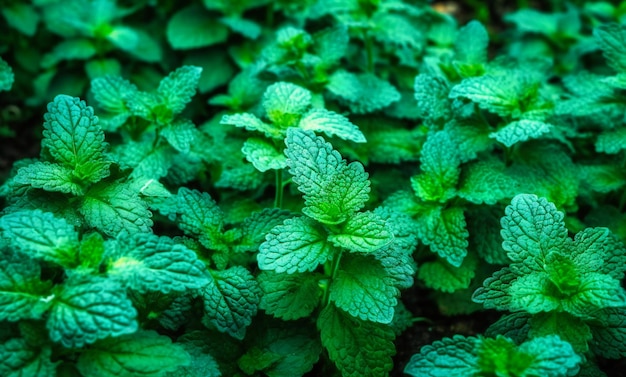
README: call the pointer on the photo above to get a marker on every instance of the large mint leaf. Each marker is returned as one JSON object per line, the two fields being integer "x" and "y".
{"x": 364, "y": 232}
{"x": 358, "y": 348}
{"x": 22, "y": 292}
{"x": 449, "y": 357}
{"x": 362, "y": 93}
{"x": 289, "y": 296}
{"x": 285, "y": 103}
{"x": 74, "y": 139}
{"x": 440, "y": 162}
{"x": 445, "y": 231}
{"x": 298, "y": 245}
{"x": 332, "y": 188}
{"x": 147, "y": 262}
{"x": 332, "y": 124}
{"x": 112, "y": 92}
{"x": 87, "y": 309}
{"x": 50, "y": 177}
{"x": 231, "y": 299}
{"x": 178, "y": 87}
{"x": 363, "y": 289}
{"x": 42, "y": 235}
{"x": 18, "y": 358}
{"x": 200, "y": 216}
{"x": 144, "y": 353}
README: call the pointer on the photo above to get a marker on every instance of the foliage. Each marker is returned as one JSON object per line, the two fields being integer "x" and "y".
{"x": 251, "y": 188}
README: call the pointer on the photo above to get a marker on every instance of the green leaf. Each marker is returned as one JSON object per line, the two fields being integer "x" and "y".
{"x": 22, "y": 17}
{"x": 146, "y": 263}
{"x": 114, "y": 209}
{"x": 440, "y": 168}
{"x": 364, "y": 232}
{"x": 22, "y": 291}
{"x": 201, "y": 363}
{"x": 74, "y": 139}
{"x": 251, "y": 123}
{"x": 298, "y": 245}
{"x": 499, "y": 94}
{"x": 71, "y": 49}
{"x": 431, "y": 93}
{"x": 123, "y": 37}
{"x": 445, "y": 231}
{"x": 521, "y": 130}
{"x": 181, "y": 134}
{"x": 263, "y": 155}
{"x": 332, "y": 189}
{"x": 448, "y": 357}
{"x": 332, "y": 124}
{"x": 494, "y": 294}
{"x": 602, "y": 178}
{"x": 609, "y": 333}
{"x": 564, "y": 325}
{"x": 285, "y": 103}
{"x": 144, "y": 353}
{"x": 6, "y": 76}
{"x": 486, "y": 181}
{"x": 91, "y": 251}
{"x": 398, "y": 264}
{"x": 358, "y": 348}
{"x": 231, "y": 300}
{"x": 178, "y": 87}
{"x": 42, "y": 235}
{"x": 247, "y": 28}
{"x": 363, "y": 289}
{"x": 87, "y": 309}
{"x": 50, "y": 177}
{"x": 331, "y": 44}
{"x": 471, "y": 43}
{"x": 611, "y": 142}
{"x": 532, "y": 228}
{"x": 612, "y": 41}
{"x": 200, "y": 216}
{"x": 256, "y": 226}
{"x": 362, "y": 93}
{"x": 112, "y": 92}
{"x": 598, "y": 250}
{"x": 194, "y": 27}
{"x": 18, "y": 358}
{"x": 441, "y": 275}
{"x": 289, "y": 296}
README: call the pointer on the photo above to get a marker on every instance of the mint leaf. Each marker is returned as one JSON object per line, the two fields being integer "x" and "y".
{"x": 431, "y": 93}
{"x": 230, "y": 300}
{"x": 19, "y": 358}
{"x": 6, "y": 76}
{"x": 144, "y": 353}
{"x": 363, "y": 289}
{"x": 251, "y": 123}
{"x": 612, "y": 41}
{"x": 611, "y": 142}
{"x": 87, "y": 309}
{"x": 449, "y": 357}
{"x": 50, "y": 177}
{"x": 358, "y": 348}
{"x": 74, "y": 139}
{"x": 285, "y": 103}
{"x": 495, "y": 93}
{"x": 445, "y": 232}
{"x": 609, "y": 333}
{"x": 22, "y": 292}
{"x": 364, "y": 232}
{"x": 289, "y": 296}
{"x": 180, "y": 134}
{"x": 521, "y": 130}
{"x": 146, "y": 263}
{"x": 178, "y": 87}
{"x": 332, "y": 124}
{"x": 42, "y": 235}
{"x": 22, "y": 17}
{"x": 114, "y": 209}
{"x": 194, "y": 27}
{"x": 263, "y": 155}
{"x": 332, "y": 188}
{"x": 440, "y": 168}
{"x": 200, "y": 216}
{"x": 255, "y": 227}
{"x": 355, "y": 90}
{"x": 441, "y": 275}
{"x": 298, "y": 245}
{"x": 471, "y": 43}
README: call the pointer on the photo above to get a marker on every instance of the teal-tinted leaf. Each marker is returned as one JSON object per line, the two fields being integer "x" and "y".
{"x": 179, "y": 86}
{"x": 74, "y": 139}
{"x": 598, "y": 250}
{"x": 532, "y": 228}
{"x": 91, "y": 251}
{"x": 6, "y": 76}
{"x": 180, "y": 134}
{"x": 471, "y": 43}
{"x": 71, "y": 49}
{"x": 146, "y": 263}
{"x": 194, "y": 27}
{"x": 445, "y": 231}
{"x": 114, "y": 209}
{"x": 123, "y": 37}
{"x": 440, "y": 168}
{"x": 358, "y": 348}
{"x": 231, "y": 300}
{"x": 18, "y": 358}
{"x": 602, "y": 178}
{"x": 263, "y": 155}
{"x": 449, "y": 357}
{"x": 362, "y": 93}
{"x": 285, "y": 103}
{"x": 298, "y": 245}
{"x": 200, "y": 216}
{"x": 441, "y": 275}
{"x": 42, "y": 235}
{"x": 521, "y": 130}
{"x": 332, "y": 188}
{"x": 363, "y": 289}
{"x": 251, "y": 123}
{"x": 102, "y": 67}
{"x": 22, "y": 17}
{"x": 568, "y": 327}
{"x": 612, "y": 41}
{"x": 144, "y": 353}
{"x": 332, "y": 124}
{"x": 201, "y": 364}
{"x": 111, "y": 92}
{"x": 364, "y": 232}
{"x": 22, "y": 292}
{"x": 87, "y": 309}
{"x": 496, "y": 93}
{"x": 494, "y": 294}
{"x": 256, "y": 226}
{"x": 147, "y": 48}
{"x": 609, "y": 333}
{"x": 247, "y": 28}
{"x": 331, "y": 44}
{"x": 50, "y": 177}
{"x": 391, "y": 28}
{"x": 398, "y": 263}
{"x": 611, "y": 142}
{"x": 289, "y": 296}
{"x": 486, "y": 181}
{"x": 431, "y": 93}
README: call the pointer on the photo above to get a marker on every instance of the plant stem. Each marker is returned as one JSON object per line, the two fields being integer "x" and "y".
{"x": 334, "y": 267}
{"x": 278, "y": 197}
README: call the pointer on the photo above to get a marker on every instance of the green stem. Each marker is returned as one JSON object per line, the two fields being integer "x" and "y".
{"x": 334, "y": 268}
{"x": 278, "y": 197}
